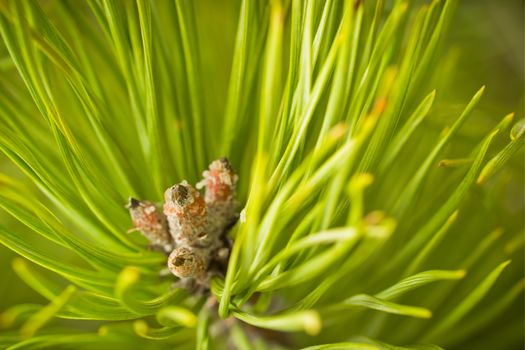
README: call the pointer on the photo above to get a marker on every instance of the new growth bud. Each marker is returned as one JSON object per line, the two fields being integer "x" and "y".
{"x": 186, "y": 212}
{"x": 187, "y": 262}
{"x": 150, "y": 222}
{"x": 220, "y": 182}
{"x": 196, "y": 225}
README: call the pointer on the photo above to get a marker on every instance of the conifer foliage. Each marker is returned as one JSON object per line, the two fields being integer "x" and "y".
{"x": 365, "y": 211}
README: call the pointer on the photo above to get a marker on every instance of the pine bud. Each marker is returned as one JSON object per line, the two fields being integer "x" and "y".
{"x": 220, "y": 182}
{"x": 187, "y": 215}
{"x": 150, "y": 222}
{"x": 189, "y": 262}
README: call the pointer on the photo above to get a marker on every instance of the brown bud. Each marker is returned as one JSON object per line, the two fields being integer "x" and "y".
{"x": 188, "y": 262}
{"x": 150, "y": 222}
{"x": 187, "y": 216}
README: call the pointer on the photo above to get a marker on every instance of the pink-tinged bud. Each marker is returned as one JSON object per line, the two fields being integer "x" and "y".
{"x": 150, "y": 222}
{"x": 220, "y": 181}
{"x": 187, "y": 215}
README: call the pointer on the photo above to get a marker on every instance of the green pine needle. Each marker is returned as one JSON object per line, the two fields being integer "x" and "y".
{"x": 373, "y": 210}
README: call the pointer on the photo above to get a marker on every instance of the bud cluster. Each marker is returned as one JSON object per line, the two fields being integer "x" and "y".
{"x": 192, "y": 228}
